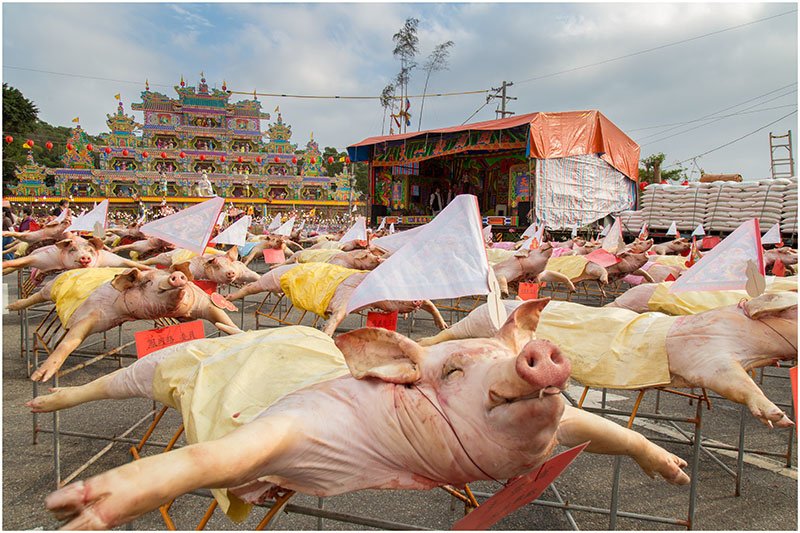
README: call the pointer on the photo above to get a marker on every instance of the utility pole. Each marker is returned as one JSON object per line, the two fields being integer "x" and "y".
{"x": 501, "y": 113}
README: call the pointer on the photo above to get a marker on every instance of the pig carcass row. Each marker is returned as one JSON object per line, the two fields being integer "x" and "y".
{"x": 221, "y": 268}
{"x": 356, "y": 259}
{"x": 370, "y": 410}
{"x": 787, "y": 256}
{"x": 325, "y": 289}
{"x": 28, "y": 241}
{"x": 656, "y": 297}
{"x": 578, "y": 269}
{"x": 67, "y": 254}
{"x": 677, "y": 246}
{"x": 94, "y": 300}
{"x": 527, "y": 264}
{"x": 714, "y": 349}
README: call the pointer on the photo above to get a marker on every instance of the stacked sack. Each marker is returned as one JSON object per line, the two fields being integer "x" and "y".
{"x": 719, "y": 206}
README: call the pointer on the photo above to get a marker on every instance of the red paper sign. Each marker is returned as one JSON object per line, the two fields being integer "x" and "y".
{"x": 603, "y": 258}
{"x": 528, "y": 291}
{"x": 519, "y": 492}
{"x": 671, "y": 277}
{"x": 496, "y": 221}
{"x": 209, "y": 287}
{"x": 156, "y": 339}
{"x": 376, "y": 319}
{"x": 793, "y": 377}
{"x": 274, "y": 255}
{"x": 778, "y": 268}
{"x": 709, "y": 242}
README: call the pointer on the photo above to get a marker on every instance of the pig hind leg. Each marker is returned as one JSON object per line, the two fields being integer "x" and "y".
{"x": 74, "y": 337}
{"x": 429, "y": 306}
{"x": 577, "y": 427}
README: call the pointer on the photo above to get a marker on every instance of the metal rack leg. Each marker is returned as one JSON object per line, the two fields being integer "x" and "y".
{"x": 698, "y": 428}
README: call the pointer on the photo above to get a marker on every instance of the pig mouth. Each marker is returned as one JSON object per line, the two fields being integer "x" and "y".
{"x": 496, "y": 399}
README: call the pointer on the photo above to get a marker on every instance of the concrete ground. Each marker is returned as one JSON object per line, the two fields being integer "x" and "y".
{"x": 768, "y": 499}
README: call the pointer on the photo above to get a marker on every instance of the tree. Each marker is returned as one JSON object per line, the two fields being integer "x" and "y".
{"x": 653, "y": 162}
{"x": 387, "y": 102}
{"x": 405, "y": 49}
{"x": 332, "y": 169}
{"x": 19, "y": 120}
{"x": 436, "y": 62}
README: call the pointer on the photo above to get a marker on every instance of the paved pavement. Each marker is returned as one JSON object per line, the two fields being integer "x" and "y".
{"x": 768, "y": 500}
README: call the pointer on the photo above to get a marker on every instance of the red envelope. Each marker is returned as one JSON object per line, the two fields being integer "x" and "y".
{"x": 376, "y": 319}
{"x": 528, "y": 291}
{"x": 274, "y": 255}
{"x": 156, "y": 339}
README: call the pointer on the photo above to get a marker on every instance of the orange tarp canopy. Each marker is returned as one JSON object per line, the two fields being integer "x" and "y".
{"x": 550, "y": 135}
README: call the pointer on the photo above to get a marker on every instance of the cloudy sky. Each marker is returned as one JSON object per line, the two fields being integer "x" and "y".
{"x": 682, "y": 79}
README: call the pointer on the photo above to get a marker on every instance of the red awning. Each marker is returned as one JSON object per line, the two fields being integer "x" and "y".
{"x": 551, "y": 135}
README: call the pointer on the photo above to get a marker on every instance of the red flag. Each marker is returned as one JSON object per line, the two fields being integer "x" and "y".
{"x": 778, "y": 268}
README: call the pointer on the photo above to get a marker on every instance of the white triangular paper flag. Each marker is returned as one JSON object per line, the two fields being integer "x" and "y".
{"x": 189, "y": 228}
{"x": 673, "y": 229}
{"x": 302, "y": 225}
{"x": 382, "y": 224}
{"x": 698, "y": 231}
{"x": 285, "y": 229}
{"x": 86, "y": 221}
{"x": 605, "y": 231}
{"x": 613, "y": 242}
{"x": 358, "y": 232}
{"x": 61, "y": 216}
{"x": 445, "y": 259}
{"x": 773, "y": 236}
{"x": 487, "y": 233}
{"x": 396, "y": 240}
{"x": 221, "y": 218}
{"x": 235, "y": 234}
{"x": 574, "y": 232}
{"x": 724, "y": 267}
{"x": 275, "y": 224}
{"x": 530, "y": 230}
{"x": 391, "y": 228}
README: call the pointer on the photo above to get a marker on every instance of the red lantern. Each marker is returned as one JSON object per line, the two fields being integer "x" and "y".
{"x": 9, "y": 139}
{"x": 313, "y": 160}
{"x": 663, "y": 182}
{"x": 330, "y": 160}
{"x": 182, "y": 155}
{"x": 685, "y": 182}
{"x": 163, "y": 155}
{"x": 239, "y": 159}
{"x": 258, "y": 159}
{"x": 347, "y": 160}
{"x": 642, "y": 185}
{"x": 277, "y": 159}
{"x": 30, "y": 142}
{"x": 107, "y": 150}
{"x": 69, "y": 147}
{"x": 125, "y": 153}
{"x": 48, "y": 145}
{"x": 89, "y": 147}
{"x": 294, "y": 160}
{"x": 202, "y": 157}
{"x": 222, "y": 158}
{"x": 145, "y": 155}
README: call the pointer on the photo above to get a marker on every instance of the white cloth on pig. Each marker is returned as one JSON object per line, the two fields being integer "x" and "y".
{"x": 223, "y": 383}
{"x": 694, "y": 302}
{"x": 607, "y": 347}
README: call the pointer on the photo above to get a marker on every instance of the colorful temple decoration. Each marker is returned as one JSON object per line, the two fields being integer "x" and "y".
{"x": 180, "y": 139}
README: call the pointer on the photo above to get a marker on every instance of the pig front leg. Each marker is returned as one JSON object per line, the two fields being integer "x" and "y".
{"x": 125, "y": 493}
{"x": 23, "y": 303}
{"x": 578, "y": 426}
{"x": 645, "y": 274}
{"x": 503, "y": 283}
{"x": 74, "y": 337}
{"x": 335, "y": 319}
{"x": 12, "y": 265}
{"x": 555, "y": 277}
{"x": 215, "y": 315}
{"x": 248, "y": 290}
{"x": 428, "y": 306}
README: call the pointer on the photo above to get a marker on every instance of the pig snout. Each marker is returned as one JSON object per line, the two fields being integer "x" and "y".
{"x": 85, "y": 260}
{"x": 543, "y": 365}
{"x": 177, "y": 279}
{"x": 231, "y": 275}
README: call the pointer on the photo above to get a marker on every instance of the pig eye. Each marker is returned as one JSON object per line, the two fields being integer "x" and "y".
{"x": 450, "y": 370}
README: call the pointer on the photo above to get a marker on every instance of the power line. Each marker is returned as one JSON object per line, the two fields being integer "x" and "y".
{"x": 661, "y": 47}
{"x": 721, "y": 116}
{"x": 82, "y": 76}
{"x": 488, "y": 99}
{"x": 712, "y": 121}
{"x": 731, "y": 142}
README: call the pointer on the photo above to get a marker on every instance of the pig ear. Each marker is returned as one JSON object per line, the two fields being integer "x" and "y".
{"x": 183, "y": 267}
{"x": 96, "y": 243}
{"x": 233, "y": 253}
{"x": 63, "y": 244}
{"x": 770, "y": 304}
{"x": 382, "y": 354}
{"x": 520, "y": 327}
{"x": 124, "y": 281}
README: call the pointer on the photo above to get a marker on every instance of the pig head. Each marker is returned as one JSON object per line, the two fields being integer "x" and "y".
{"x": 357, "y": 259}
{"x": 788, "y": 257}
{"x": 222, "y": 269}
{"x": 675, "y": 247}
{"x": 66, "y": 254}
{"x": 525, "y": 264}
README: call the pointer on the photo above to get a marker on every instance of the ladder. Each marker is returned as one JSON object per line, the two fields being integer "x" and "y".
{"x": 781, "y": 167}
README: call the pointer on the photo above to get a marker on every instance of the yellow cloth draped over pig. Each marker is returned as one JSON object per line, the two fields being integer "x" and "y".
{"x": 316, "y": 255}
{"x": 609, "y": 347}
{"x": 310, "y": 286}
{"x": 677, "y": 261}
{"x": 329, "y": 245}
{"x": 182, "y": 255}
{"x": 693, "y": 302}
{"x": 223, "y": 383}
{"x": 571, "y": 266}
{"x": 498, "y": 255}
{"x": 71, "y": 288}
